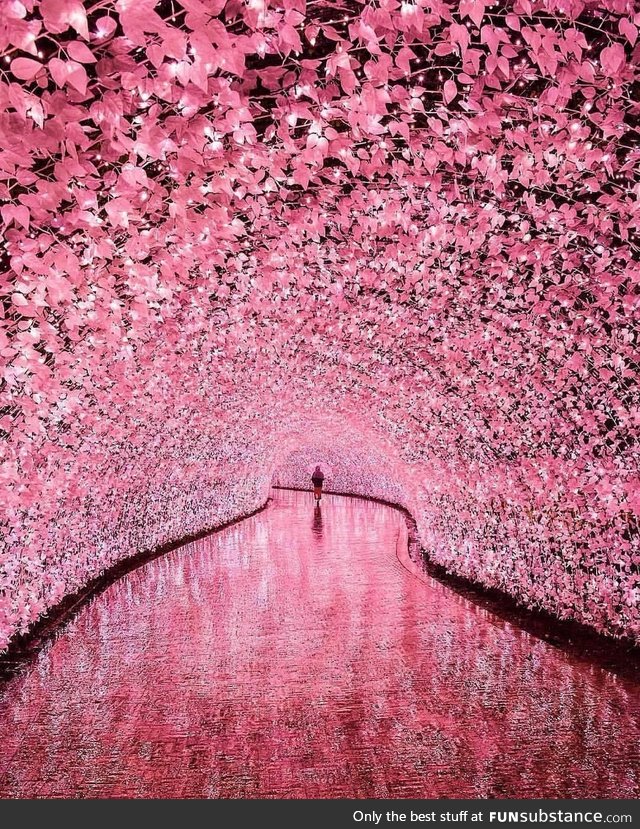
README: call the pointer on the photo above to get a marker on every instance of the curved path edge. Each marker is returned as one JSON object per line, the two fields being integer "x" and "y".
{"x": 615, "y": 654}
{"x": 619, "y": 656}
{"x": 23, "y": 647}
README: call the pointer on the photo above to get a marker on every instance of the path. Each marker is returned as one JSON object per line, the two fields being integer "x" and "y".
{"x": 292, "y": 655}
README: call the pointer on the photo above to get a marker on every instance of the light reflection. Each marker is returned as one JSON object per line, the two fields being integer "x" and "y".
{"x": 295, "y": 655}
{"x": 316, "y": 527}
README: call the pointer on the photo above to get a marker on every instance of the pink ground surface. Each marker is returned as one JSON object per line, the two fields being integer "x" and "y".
{"x": 295, "y": 655}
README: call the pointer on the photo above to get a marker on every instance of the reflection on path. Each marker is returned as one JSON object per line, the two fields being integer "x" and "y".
{"x": 292, "y": 655}
{"x": 316, "y": 527}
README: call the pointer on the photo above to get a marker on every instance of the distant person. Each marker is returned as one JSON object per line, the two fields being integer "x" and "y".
{"x": 317, "y": 479}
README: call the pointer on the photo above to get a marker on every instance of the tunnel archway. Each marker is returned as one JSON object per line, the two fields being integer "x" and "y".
{"x": 487, "y": 520}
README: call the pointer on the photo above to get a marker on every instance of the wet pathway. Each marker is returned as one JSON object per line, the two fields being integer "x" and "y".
{"x": 293, "y": 655}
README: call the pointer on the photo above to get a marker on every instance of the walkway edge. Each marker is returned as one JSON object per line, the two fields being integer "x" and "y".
{"x": 615, "y": 654}
{"x": 23, "y": 647}
{"x": 619, "y": 656}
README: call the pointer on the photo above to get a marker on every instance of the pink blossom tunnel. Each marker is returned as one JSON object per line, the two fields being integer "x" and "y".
{"x": 405, "y": 231}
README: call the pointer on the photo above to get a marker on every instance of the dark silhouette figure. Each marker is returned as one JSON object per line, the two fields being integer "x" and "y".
{"x": 317, "y": 479}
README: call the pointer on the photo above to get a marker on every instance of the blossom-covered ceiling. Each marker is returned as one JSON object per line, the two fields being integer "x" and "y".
{"x": 228, "y": 225}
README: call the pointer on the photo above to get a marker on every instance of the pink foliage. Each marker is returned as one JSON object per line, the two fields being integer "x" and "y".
{"x": 405, "y": 231}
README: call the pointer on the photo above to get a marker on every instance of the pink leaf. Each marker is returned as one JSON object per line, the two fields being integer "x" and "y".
{"x": 58, "y": 70}
{"x": 450, "y": 91}
{"x": 105, "y": 26}
{"x": 118, "y": 211}
{"x": 473, "y": 9}
{"x": 513, "y": 22}
{"x": 290, "y": 39}
{"x": 80, "y": 52}
{"x": 587, "y": 72}
{"x": 459, "y": 35}
{"x": 25, "y": 68}
{"x": 19, "y": 300}
{"x": 403, "y": 57}
{"x": 16, "y": 212}
{"x": 77, "y": 76}
{"x": 70, "y": 72}
{"x": 59, "y": 15}
{"x": 626, "y": 28}
{"x": 443, "y": 49}
{"x": 612, "y": 59}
